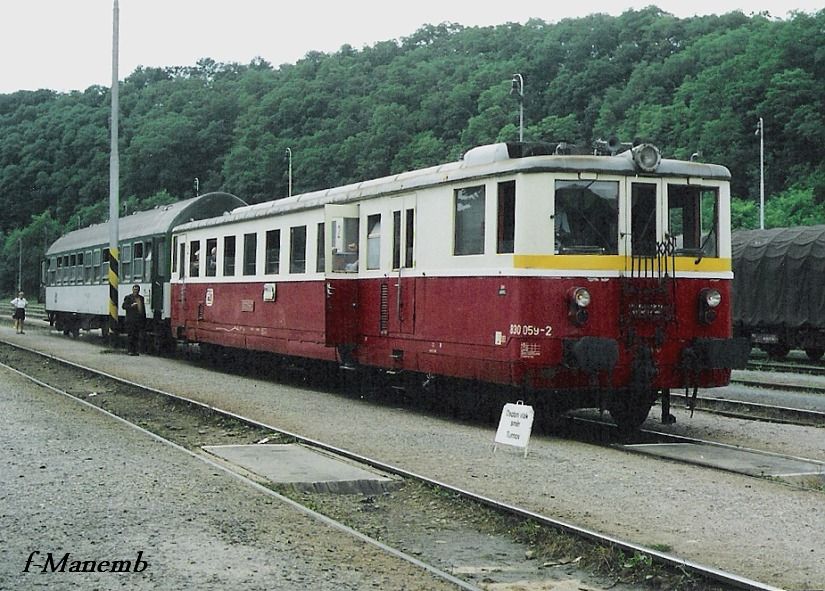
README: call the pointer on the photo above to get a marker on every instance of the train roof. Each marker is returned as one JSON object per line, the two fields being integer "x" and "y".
{"x": 159, "y": 220}
{"x": 480, "y": 162}
{"x": 779, "y": 276}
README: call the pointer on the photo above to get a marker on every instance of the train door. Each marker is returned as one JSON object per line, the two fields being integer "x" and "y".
{"x": 400, "y": 299}
{"x": 342, "y": 260}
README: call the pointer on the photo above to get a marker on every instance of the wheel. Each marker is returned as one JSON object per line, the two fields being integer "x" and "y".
{"x": 814, "y": 354}
{"x": 629, "y": 409}
{"x": 777, "y": 352}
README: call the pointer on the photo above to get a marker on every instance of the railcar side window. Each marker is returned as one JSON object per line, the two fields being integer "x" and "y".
{"x": 693, "y": 219}
{"x": 87, "y": 261}
{"x": 96, "y": 266}
{"x": 409, "y": 244}
{"x": 586, "y": 219}
{"x": 374, "y": 241}
{"x": 104, "y": 266}
{"x": 228, "y": 256}
{"x": 345, "y": 245}
{"x": 174, "y": 250}
{"x": 272, "y": 262}
{"x": 396, "y": 239}
{"x": 194, "y": 258}
{"x": 126, "y": 262}
{"x": 506, "y": 231}
{"x": 250, "y": 248}
{"x": 469, "y": 220}
{"x": 298, "y": 249}
{"x": 137, "y": 260}
{"x": 211, "y": 257}
{"x": 320, "y": 259}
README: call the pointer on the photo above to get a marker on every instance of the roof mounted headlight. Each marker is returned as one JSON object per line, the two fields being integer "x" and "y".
{"x": 647, "y": 157}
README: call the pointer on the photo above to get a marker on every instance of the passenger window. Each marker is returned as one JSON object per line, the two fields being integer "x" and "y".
{"x": 693, "y": 220}
{"x": 72, "y": 267}
{"x": 374, "y": 241}
{"x": 211, "y": 257}
{"x": 104, "y": 266}
{"x": 126, "y": 262}
{"x": 298, "y": 249}
{"x": 228, "y": 256}
{"x": 174, "y": 258}
{"x": 273, "y": 252}
{"x": 250, "y": 254}
{"x": 506, "y": 231}
{"x": 87, "y": 272}
{"x": 469, "y": 220}
{"x": 586, "y": 218}
{"x": 182, "y": 257}
{"x": 409, "y": 243}
{"x": 396, "y": 239}
{"x": 194, "y": 258}
{"x": 96, "y": 265}
{"x": 137, "y": 262}
{"x": 345, "y": 245}
{"x": 320, "y": 259}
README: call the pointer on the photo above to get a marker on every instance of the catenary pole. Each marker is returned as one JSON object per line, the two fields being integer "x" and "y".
{"x": 114, "y": 177}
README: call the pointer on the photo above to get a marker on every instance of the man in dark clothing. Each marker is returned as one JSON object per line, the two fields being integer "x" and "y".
{"x": 135, "y": 318}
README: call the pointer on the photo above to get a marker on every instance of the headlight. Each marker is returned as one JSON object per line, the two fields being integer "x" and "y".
{"x": 712, "y": 298}
{"x": 581, "y": 297}
{"x": 647, "y": 157}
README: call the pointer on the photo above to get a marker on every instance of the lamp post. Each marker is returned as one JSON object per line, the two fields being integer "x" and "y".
{"x": 760, "y": 131}
{"x": 20, "y": 264}
{"x": 518, "y": 87}
{"x": 289, "y": 155}
{"x": 114, "y": 176}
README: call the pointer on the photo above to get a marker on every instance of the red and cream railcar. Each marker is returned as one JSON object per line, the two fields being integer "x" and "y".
{"x": 600, "y": 280}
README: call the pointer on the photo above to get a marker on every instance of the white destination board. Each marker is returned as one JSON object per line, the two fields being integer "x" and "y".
{"x": 515, "y": 425}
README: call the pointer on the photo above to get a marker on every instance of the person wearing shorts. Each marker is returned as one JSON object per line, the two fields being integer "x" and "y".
{"x": 19, "y": 304}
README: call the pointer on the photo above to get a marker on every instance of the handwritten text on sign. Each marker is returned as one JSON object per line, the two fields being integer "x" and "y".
{"x": 515, "y": 425}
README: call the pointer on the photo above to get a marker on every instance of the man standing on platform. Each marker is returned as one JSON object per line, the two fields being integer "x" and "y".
{"x": 135, "y": 318}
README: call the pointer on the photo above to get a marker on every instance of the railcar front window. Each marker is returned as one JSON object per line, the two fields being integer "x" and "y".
{"x": 586, "y": 220}
{"x": 643, "y": 219}
{"x": 693, "y": 214}
{"x": 469, "y": 220}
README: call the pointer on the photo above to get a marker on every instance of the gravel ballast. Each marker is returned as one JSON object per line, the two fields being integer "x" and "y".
{"x": 759, "y": 529}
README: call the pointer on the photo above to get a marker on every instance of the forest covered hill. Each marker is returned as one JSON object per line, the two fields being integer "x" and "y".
{"x": 688, "y": 85}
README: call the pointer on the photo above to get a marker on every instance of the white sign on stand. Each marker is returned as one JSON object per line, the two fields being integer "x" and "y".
{"x": 515, "y": 425}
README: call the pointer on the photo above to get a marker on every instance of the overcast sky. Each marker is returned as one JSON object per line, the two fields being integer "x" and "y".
{"x": 66, "y": 45}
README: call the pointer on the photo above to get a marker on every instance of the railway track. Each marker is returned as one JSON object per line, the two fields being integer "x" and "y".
{"x": 664, "y": 564}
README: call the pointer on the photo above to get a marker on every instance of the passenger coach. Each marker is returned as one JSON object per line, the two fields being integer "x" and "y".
{"x": 585, "y": 280}
{"x": 76, "y": 268}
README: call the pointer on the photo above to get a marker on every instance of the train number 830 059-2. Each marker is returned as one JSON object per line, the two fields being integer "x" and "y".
{"x": 530, "y": 330}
